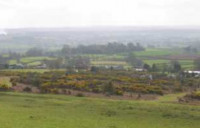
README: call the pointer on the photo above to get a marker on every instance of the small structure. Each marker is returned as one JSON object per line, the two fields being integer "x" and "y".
{"x": 112, "y": 67}
{"x": 43, "y": 66}
{"x": 137, "y": 69}
{"x": 192, "y": 73}
{"x": 16, "y": 66}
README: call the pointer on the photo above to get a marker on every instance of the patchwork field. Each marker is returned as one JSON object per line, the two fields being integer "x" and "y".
{"x": 20, "y": 110}
{"x": 149, "y": 56}
{"x": 32, "y": 61}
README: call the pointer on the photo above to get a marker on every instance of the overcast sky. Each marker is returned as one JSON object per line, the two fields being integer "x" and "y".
{"x": 64, "y": 13}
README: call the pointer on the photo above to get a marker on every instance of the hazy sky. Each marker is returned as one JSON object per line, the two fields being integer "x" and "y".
{"x": 60, "y": 13}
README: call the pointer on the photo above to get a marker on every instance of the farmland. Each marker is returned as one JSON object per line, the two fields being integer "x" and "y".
{"x": 157, "y": 52}
{"x": 32, "y": 61}
{"x": 150, "y": 56}
{"x": 122, "y": 84}
{"x": 22, "y": 110}
{"x": 98, "y": 95}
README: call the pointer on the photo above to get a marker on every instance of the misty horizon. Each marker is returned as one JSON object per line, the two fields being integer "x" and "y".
{"x": 89, "y": 13}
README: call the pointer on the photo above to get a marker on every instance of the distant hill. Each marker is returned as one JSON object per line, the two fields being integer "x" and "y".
{"x": 56, "y": 37}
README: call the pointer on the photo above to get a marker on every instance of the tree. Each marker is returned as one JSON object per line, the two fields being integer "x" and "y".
{"x": 78, "y": 62}
{"x": 34, "y": 52}
{"x": 165, "y": 68}
{"x": 54, "y": 64}
{"x": 132, "y": 60}
{"x": 154, "y": 68}
{"x": 94, "y": 69}
{"x": 190, "y": 49}
{"x": 109, "y": 88}
{"x": 176, "y": 66}
{"x": 147, "y": 67}
{"x": 109, "y": 48}
{"x": 197, "y": 63}
{"x": 66, "y": 50}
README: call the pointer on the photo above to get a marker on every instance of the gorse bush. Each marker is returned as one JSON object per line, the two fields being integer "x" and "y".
{"x": 107, "y": 82}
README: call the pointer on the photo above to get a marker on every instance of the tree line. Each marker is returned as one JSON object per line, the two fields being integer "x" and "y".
{"x": 110, "y": 48}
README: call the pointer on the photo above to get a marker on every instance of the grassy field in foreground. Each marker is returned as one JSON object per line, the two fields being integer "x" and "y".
{"x": 20, "y": 110}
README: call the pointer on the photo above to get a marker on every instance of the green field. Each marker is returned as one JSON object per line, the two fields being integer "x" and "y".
{"x": 149, "y": 56}
{"x": 32, "y": 61}
{"x": 99, "y": 63}
{"x": 105, "y": 57}
{"x": 186, "y": 64}
{"x": 32, "y": 70}
{"x": 156, "y": 52}
{"x": 20, "y": 110}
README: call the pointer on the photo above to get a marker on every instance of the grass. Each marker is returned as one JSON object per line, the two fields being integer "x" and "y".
{"x": 32, "y": 70}
{"x": 186, "y": 64}
{"x": 33, "y": 59}
{"x": 123, "y": 63}
{"x": 21, "y": 110}
{"x": 34, "y": 63}
{"x": 151, "y": 62}
{"x": 156, "y": 52}
{"x": 12, "y": 62}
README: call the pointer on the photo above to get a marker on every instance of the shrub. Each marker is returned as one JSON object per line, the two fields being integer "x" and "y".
{"x": 27, "y": 89}
{"x": 119, "y": 92}
{"x": 54, "y": 91}
{"x": 80, "y": 95}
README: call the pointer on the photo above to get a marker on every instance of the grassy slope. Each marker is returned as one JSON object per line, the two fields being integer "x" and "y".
{"x": 56, "y": 111}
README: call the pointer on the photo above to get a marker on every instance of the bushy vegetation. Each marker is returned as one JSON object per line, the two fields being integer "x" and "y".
{"x": 106, "y": 82}
{"x": 193, "y": 96}
{"x": 5, "y": 83}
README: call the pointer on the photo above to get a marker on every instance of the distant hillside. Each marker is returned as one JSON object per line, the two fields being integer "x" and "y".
{"x": 52, "y": 38}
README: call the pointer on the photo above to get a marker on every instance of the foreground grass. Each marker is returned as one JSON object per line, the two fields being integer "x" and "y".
{"x": 20, "y": 110}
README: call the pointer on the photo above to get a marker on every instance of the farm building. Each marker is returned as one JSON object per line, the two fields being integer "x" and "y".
{"x": 192, "y": 73}
{"x": 43, "y": 66}
{"x": 140, "y": 69}
{"x": 16, "y": 66}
